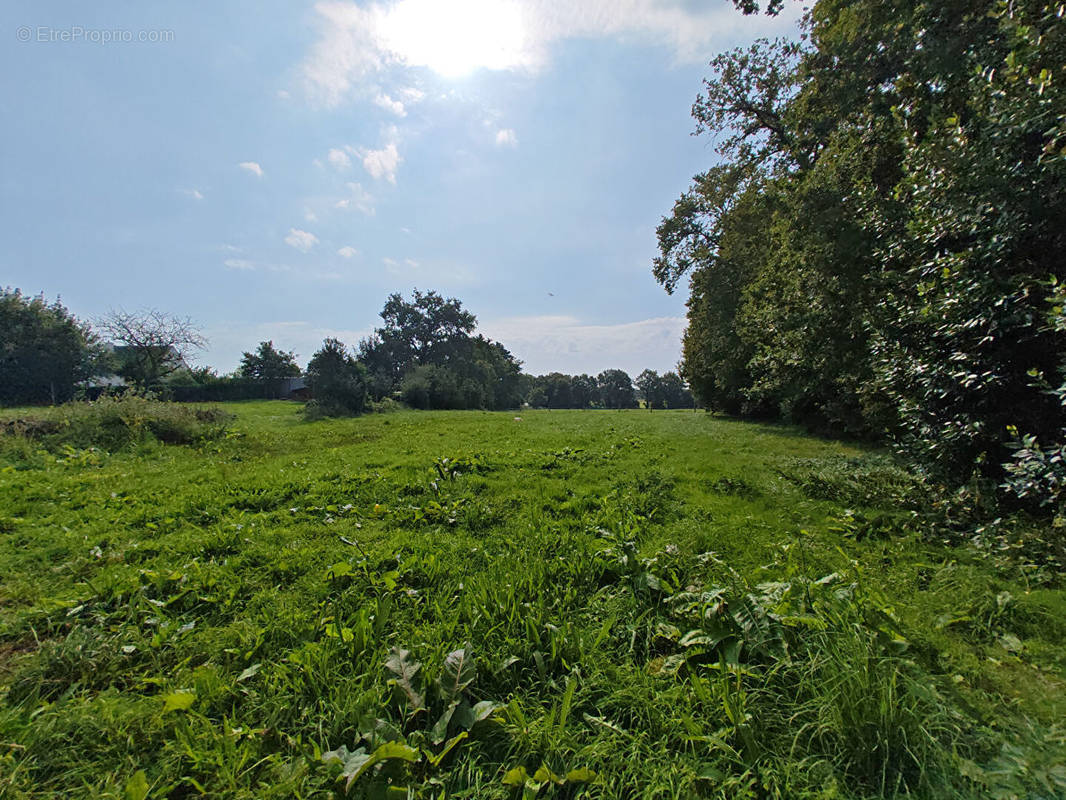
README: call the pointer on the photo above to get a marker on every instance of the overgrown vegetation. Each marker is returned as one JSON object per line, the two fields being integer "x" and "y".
{"x": 462, "y": 604}
{"x": 111, "y": 424}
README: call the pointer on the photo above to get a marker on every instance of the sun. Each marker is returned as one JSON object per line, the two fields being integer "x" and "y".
{"x": 456, "y": 37}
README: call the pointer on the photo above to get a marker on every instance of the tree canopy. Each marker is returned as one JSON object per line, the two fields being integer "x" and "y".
{"x": 338, "y": 382}
{"x": 267, "y": 362}
{"x": 425, "y": 350}
{"x": 877, "y": 251}
{"x": 45, "y": 352}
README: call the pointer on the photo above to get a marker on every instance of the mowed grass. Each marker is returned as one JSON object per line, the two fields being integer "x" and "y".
{"x": 647, "y": 604}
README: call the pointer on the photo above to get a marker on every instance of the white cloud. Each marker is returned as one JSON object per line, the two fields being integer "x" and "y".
{"x": 310, "y": 215}
{"x": 347, "y": 252}
{"x": 252, "y": 167}
{"x": 566, "y": 344}
{"x": 195, "y": 194}
{"x": 438, "y": 272}
{"x": 239, "y": 263}
{"x": 394, "y": 106}
{"x": 301, "y": 240}
{"x": 346, "y": 52}
{"x": 359, "y": 43}
{"x": 339, "y": 159}
{"x": 283, "y": 94}
{"x": 358, "y": 199}
{"x": 382, "y": 163}
{"x": 506, "y": 137}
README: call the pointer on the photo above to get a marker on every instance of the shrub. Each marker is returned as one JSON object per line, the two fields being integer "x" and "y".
{"x": 113, "y": 423}
{"x": 338, "y": 382}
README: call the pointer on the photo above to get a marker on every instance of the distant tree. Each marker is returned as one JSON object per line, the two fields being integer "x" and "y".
{"x": 425, "y": 330}
{"x": 616, "y": 389}
{"x": 268, "y": 363}
{"x": 557, "y": 390}
{"x": 651, "y": 389}
{"x": 196, "y": 376}
{"x": 44, "y": 350}
{"x": 537, "y": 397}
{"x": 425, "y": 350}
{"x": 675, "y": 393}
{"x": 337, "y": 381}
{"x": 150, "y": 344}
{"x": 584, "y": 391}
{"x": 499, "y": 372}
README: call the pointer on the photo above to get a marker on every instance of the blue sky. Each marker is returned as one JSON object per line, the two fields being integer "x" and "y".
{"x": 275, "y": 169}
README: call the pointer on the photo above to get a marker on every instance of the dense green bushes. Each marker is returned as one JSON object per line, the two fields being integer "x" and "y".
{"x": 337, "y": 381}
{"x": 44, "y": 351}
{"x": 879, "y": 250}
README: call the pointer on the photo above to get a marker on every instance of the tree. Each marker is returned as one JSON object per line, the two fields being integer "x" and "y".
{"x": 651, "y": 389}
{"x": 337, "y": 381}
{"x": 268, "y": 363}
{"x": 616, "y": 389}
{"x": 877, "y": 248}
{"x": 425, "y": 350}
{"x": 429, "y": 329}
{"x": 150, "y": 344}
{"x": 584, "y": 391}
{"x": 557, "y": 390}
{"x": 44, "y": 350}
{"x": 675, "y": 393}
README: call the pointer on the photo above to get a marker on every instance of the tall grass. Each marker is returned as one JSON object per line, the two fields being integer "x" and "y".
{"x": 113, "y": 423}
{"x": 644, "y": 607}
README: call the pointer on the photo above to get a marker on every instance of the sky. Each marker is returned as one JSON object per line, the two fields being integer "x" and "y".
{"x": 274, "y": 170}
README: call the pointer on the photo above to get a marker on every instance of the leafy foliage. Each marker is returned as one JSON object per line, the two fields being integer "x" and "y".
{"x": 338, "y": 382}
{"x": 425, "y": 352}
{"x": 44, "y": 351}
{"x": 877, "y": 251}
{"x": 267, "y": 362}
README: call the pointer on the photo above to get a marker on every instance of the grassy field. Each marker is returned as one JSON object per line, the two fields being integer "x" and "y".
{"x": 457, "y": 604}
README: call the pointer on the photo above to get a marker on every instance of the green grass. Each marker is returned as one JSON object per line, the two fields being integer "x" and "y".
{"x": 648, "y": 605}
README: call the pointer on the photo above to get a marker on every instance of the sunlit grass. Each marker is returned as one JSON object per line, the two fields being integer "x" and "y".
{"x": 219, "y": 615}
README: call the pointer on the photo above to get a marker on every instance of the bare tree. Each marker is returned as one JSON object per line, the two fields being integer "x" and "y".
{"x": 151, "y": 344}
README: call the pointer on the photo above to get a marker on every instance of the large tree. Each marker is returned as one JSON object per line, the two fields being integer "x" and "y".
{"x": 876, "y": 251}
{"x": 426, "y": 351}
{"x": 44, "y": 350}
{"x": 428, "y": 329}
{"x": 150, "y": 344}
{"x": 652, "y": 391}
{"x": 616, "y": 389}
{"x": 267, "y": 362}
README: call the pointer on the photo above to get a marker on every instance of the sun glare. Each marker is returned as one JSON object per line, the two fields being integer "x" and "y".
{"x": 456, "y": 37}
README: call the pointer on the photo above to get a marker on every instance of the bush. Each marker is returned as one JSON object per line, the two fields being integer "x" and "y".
{"x": 338, "y": 382}
{"x": 113, "y": 423}
{"x": 432, "y": 386}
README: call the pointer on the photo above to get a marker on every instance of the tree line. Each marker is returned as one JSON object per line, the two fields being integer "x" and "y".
{"x": 612, "y": 388}
{"x": 425, "y": 354}
{"x": 878, "y": 251}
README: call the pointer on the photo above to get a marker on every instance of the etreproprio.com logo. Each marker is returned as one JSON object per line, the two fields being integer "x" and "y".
{"x": 74, "y": 34}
